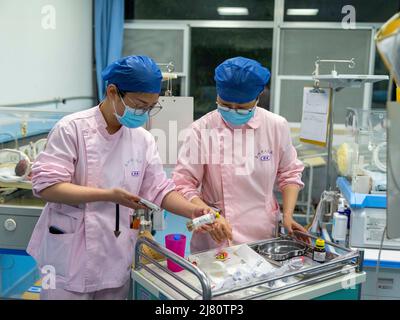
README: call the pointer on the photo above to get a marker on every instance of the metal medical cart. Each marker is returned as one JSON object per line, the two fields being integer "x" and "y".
{"x": 338, "y": 278}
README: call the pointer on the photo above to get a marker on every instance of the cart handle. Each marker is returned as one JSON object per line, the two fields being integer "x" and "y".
{"x": 200, "y": 275}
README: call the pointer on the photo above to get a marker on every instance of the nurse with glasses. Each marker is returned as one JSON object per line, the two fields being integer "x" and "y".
{"x": 93, "y": 160}
{"x": 245, "y": 199}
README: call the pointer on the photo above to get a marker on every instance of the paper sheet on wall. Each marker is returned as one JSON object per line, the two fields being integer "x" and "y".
{"x": 314, "y": 122}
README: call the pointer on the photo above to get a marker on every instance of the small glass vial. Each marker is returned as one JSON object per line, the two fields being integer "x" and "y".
{"x": 319, "y": 253}
{"x": 202, "y": 220}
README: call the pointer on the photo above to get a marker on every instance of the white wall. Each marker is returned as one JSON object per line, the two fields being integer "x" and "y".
{"x": 40, "y": 63}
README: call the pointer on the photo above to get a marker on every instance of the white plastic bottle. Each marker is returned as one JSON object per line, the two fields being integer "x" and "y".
{"x": 202, "y": 220}
{"x": 339, "y": 227}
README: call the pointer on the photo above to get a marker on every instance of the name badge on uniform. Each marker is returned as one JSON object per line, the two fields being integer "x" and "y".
{"x": 264, "y": 155}
{"x": 135, "y": 173}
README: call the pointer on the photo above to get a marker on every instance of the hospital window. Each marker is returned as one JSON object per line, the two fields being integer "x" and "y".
{"x": 211, "y": 46}
{"x": 297, "y": 60}
{"x": 258, "y": 10}
{"x": 162, "y": 45}
{"x": 331, "y": 11}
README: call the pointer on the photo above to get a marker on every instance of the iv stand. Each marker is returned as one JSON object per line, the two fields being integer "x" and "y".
{"x": 170, "y": 69}
{"x": 351, "y": 65}
{"x": 336, "y": 83}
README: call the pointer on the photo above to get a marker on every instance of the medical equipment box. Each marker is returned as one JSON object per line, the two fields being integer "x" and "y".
{"x": 367, "y": 219}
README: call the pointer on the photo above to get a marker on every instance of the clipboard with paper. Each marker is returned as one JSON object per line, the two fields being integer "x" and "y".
{"x": 315, "y": 118}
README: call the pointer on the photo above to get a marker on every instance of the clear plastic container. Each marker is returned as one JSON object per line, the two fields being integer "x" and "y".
{"x": 364, "y": 152}
{"x": 23, "y": 135}
{"x": 367, "y": 130}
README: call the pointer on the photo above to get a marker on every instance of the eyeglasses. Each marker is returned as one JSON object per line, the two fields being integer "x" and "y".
{"x": 151, "y": 110}
{"x": 239, "y": 111}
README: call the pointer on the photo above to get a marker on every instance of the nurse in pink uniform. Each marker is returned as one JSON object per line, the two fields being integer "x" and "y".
{"x": 93, "y": 160}
{"x": 233, "y": 157}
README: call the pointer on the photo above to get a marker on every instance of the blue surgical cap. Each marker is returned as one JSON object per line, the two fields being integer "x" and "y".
{"x": 240, "y": 80}
{"x": 134, "y": 74}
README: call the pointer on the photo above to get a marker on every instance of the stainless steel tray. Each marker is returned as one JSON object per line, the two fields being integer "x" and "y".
{"x": 281, "y": 250}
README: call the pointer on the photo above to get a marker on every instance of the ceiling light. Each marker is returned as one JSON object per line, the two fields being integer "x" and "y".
{"x": 302, "y": 12}
{"x": 233, "y": 11}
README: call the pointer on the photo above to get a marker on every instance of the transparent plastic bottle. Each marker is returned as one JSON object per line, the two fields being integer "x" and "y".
{"x": 339, "y": 224}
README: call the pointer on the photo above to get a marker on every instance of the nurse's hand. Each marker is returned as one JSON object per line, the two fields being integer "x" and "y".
{"x": 291, "y": 225}
{"x": 126, "y": 199}
{"x": 219, "y": 231}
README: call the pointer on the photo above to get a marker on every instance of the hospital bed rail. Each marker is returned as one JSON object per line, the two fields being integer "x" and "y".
{"x": 55, "y": 101}
{"x": 200, "y": 275}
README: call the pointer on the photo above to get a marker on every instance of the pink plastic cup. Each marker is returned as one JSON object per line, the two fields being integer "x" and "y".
{"x": 176, "y": 243}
